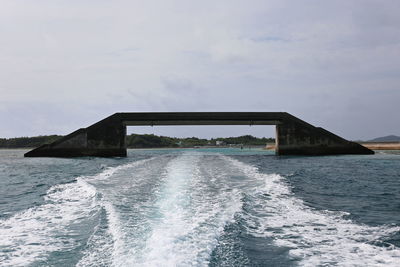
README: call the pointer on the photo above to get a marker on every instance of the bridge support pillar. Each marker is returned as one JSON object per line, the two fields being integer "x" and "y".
{"x": 299, "y": 138}
{"x": 103, "y": 139}
{"x": 107, "y": 138}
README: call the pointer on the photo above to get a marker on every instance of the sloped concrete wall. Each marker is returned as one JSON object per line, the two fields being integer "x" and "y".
{"x": 103, "y": 139}
{"x": 295, "y": 137}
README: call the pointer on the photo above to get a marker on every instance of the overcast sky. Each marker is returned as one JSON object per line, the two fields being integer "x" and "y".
{"x": 66, "y": 64}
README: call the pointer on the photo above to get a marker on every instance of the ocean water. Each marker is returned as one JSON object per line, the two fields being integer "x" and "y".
{"x": 200, "y": 207}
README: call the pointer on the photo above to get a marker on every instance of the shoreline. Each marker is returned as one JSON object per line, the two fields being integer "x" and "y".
{"x": 381, "y": 145}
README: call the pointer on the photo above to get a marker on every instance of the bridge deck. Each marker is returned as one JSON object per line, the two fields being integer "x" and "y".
{"x": 201, "y": 118}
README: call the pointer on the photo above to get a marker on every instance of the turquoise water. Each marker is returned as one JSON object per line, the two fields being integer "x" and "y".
{"x": 200, "y": 207}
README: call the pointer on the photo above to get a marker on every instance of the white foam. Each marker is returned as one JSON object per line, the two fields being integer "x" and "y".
{"x": 186, "y": 231}
{"x": 112, "y": 170}
{"x": 112, "y": 246}
{"x": 316, "y": 238}
{"x": 105, "y": 247}
{"x": 34, "y": 233}
{"x": 31, "y": 235}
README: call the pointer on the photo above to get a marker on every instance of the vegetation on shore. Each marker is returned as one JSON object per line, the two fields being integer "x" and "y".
{"x": 144, "y": 141}
{"x": 150, "y": 140}
{"x": 21, "y": 142}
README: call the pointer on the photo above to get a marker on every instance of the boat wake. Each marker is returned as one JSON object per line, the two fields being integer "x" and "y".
{"x": 174, "y": 209}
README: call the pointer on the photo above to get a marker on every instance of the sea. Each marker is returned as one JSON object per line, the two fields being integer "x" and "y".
{"x": 200, "y": 207}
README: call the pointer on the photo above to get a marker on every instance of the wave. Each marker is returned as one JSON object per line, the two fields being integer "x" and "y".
{"x": 116, "y": 240}
{"x": 31, "y": 235}
{"x": 173, "y": 210}
{"x": 105, "y": 245}
{"x": 315, "y": 237}
{"x": 178, "y": 226}
{"x": 189, "y": 220}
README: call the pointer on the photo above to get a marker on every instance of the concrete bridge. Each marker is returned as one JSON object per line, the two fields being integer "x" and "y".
{"x": 106, "y": 138}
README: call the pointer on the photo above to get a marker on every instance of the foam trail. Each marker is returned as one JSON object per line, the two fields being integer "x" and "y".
{"x": 106, "y": 246}
{"x": 33, "y": 234}
{"x": 316, "y": 238}
{"x": 116, "y": 240}
{"x": 186, "y": 231}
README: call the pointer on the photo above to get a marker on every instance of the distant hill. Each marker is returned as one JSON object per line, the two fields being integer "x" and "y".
{"x": 389, "y": 138}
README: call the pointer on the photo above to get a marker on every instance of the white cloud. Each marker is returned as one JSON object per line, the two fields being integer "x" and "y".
{"x": 311, "y": 58}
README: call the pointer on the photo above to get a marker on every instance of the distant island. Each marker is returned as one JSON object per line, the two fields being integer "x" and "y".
{"x": 388, "y": 138}
{"x": 146, "y": 141}
{"x": 389, "y": 142}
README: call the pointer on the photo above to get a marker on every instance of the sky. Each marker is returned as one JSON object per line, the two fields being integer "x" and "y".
{"x": 66, "y": 64}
